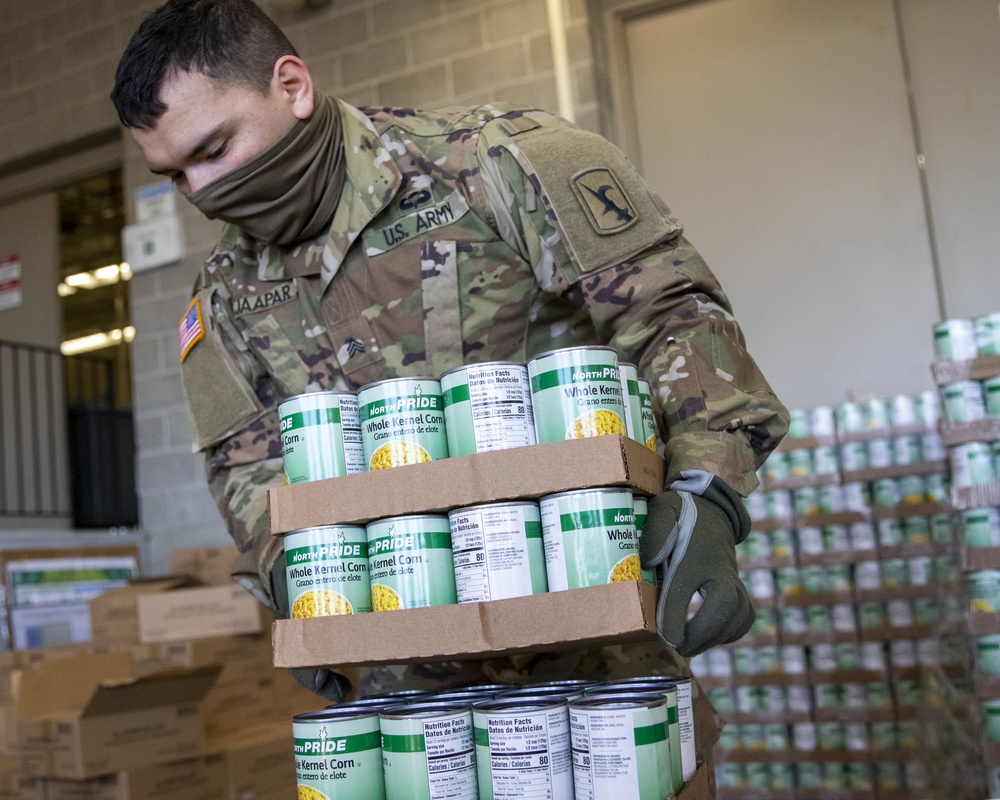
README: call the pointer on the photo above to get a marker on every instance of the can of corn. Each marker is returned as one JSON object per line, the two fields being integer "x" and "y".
{"x": 885, "y": 492}
{"x": 523, "y": 749}
{"x": 902, "y": 653}
{"x": 849, "y": 418}
{"x": 991, "y": 395}
{"x": 987, "y": 328}
{"x": 745, "y": 661}
{"x": 814, "y": 577}
{"x": 825, "y": 460}
{"x": 963, "y": 401}
{"x": 828, "y": 695}
{"x": 589, "y": 538}
{"x": 320, "y": 436}
{"x": 487, "y": 407}
{"x": 971, "y": 465}
{"x": 793, "y": 620}
{"x": 758, "y": 775}
{"x": 649, "y": 429}
{"x": 984, "y": 590}
{"x": 777, "y": 468}
{"x": 859, "y": 777}
{"x": 853, "y": 456}
{"x": 818, "y": 619}
{"x": 920, "y": 570}
{"x": 410, "y": 562}
{"x": 797, "y": 699}
{"x": 988, "y": 654}
{"x": 768, "y": 660}
{"x": 879, "y": 453}
{"x": 916, "y": 530}
{"x": 731, "y": 776}
{"x": 533, "y": 693}
{"x": 839, "y": 577}
{"x": 872, "y": 616}
{"x": 806, "y": 501}
{"x": 789, "y": 581}
{"x": 402, "y": 422}
{"x": 576, "y": 392}
{"x": 722, "y": 700}
{"x": 798, "y": 423}
{"x": 782, "y": 543}
{"x": 621, "y": 747}
{"x": 900, "y": 613}
{"x": 909, "y": 733}
{"x": 981, "y": 527}
{"x": 862, "y": 536}
{"x": 955, "y": 339}
{"x": 629, "y": 377}
{"x": 831, "y": 736}
{"x": 338, "y": 755}
{"x": 779, "y": 505}
{"x": 809, "y": 775}
{"x": 776, "y": 737}
{"x": 847, "y": 656}
{"x": 327, "y": 571}
{"x": 927, "y": 611}
{"x": 831, "y": 499}
{"x": 842, "y": 616}
{"x": 800, "y": 463}
{"x": 889, "y": 776}
{"x": 883, "y": 736}
{"x": 497, "y": 551}
{"x": 640, "y": 507}
{"x": 428, "y": 753}
{"x": 894, "y": 573}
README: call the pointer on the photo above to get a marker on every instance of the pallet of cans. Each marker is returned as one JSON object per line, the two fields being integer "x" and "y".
{"x": 498, "y": 482}
{"x": 560, "y": 740}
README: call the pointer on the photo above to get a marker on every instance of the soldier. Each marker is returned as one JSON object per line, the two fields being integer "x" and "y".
{"x": 364, "y": 244}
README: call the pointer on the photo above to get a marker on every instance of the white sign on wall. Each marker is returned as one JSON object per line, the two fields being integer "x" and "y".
{"x": 155, "y": 200}
{"x": 10, "y": 280}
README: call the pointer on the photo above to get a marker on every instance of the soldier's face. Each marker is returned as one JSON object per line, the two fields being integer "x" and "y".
{"x": 209, "y": 130}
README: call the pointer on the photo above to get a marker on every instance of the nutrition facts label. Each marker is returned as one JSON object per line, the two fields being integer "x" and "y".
{"x": 354, "y": 452}
{"x": 604, "y": 757}
{"x": 490, "y": 550}
{"x": 500, "y": 398}
{"x": 529, "y": 756}
{"x": 451, "y": 758}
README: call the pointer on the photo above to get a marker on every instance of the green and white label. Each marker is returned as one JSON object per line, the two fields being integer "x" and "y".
{"x": 487, "y": 407}
{"x": 339, "y": 759}
{"x": 320, "y": 437}
{"x": 327, "y": 571}
{"x": 498, "y": 552}
{"x": 648, "y": 415}
{"x": 402, "y": 422}
{"x": 410, "y": 563}
{"x": 577, "y": 393}
{"x": 589, "y": 538}
{"x": 640, "y": 507}
{"x": 981, "y": 527}
{"x": 429, "y": 756}
{"x": 631, "y": 400}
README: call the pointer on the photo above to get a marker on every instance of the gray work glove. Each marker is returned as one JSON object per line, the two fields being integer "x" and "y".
{"x": 690, "y": 535}
{"x": 327, "y": 684}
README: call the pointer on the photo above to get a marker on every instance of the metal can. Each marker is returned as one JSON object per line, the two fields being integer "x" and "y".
{"x": 761, "y": 584}
{"x": 402, "y": 422}
{"x": 987, "y": 332}
{"x": 827, "y": 695}
{"x": 859, "y": 776}
{"x": 831, "y": 736}
{"x": 777, "y": 468}
{"x": 879, "y": 453}
{"x": 903, "y": 410}
{"x": 776, "y": 737}
{"x": 839, "y": 577}
{"x": 648, "y": 415}
{"x": 908, "y": 732}
{"x": 800, "y": 463}
{"x": 818, "y": 619}
{"x": 932, "y": 446}
{"x": 523, "y": 749}
{"x": 875, "y": 413}
{"x": 620, "y": 747}
{"x": 804, "y": 736}
{"x": 758, "y": 775}
{"x": 849, "y": 418}
{"x": 906, "y": 450}
{"x": 793, "y": 620}
{"x": 731, "y": 776}
{"x": 720, "y": 663}
{"x": 338, "y": 755}
{"x": 768, "y": 660}
{"x": 806, "y": 501}
{"x": 862, "y": 536}
{"x": 842, "y": 615}
{"x": 789, "y": 581}
{"x": 971, "y": 465}
{"x": 916, "y": 530}
{"x": 991, "y": 396}
{"x": 576, "y": 393}
{"x": 779, "y": 505}
{"x": 722, "y": 700}
{"x": 868, "y": 574}
{"x": 858, "y": 739}
{"x": 428, "y": 752}
{"x": 810, "y": 541}
{"x": 890, "y": 532}
{"x": 821, "y": 421}
{"x": 853, "y": 456}
{"x": 928, "y": 408}
{"x": 814, "y": 578}
{"x": 793, "y": 659}
{"x": 855, "y": 695}
{"x": 988, "y": 654}
{"x": 981, "y": 527}
{"x": 848, "y": 657}
{"x": 929, "y": 652}
{"x": 745, "y": 661}
{"x": 883, "y": 736}
{"x": 879, "y": 696}
{"x": 963, "y": 401}
{"x": 872, "y": 616}
{"x": 900, "y": 613}
{"x": 640, "y": 508}
{"x": 320, "y": 436}
{"x": 756, "y": 545}
{"x": 410, "y": 562}
{"x": 782, "y": 543}
{"x": 825, "y": 460}
{"x": 991, "y": 715}
{"x": 327, "y": 571}
{"x": 809, "y": 775}
{"x": 831, "y": 499}
{"x": 894, "y": 573}
{"x": 920, "y": 570}
{"x": 984, "y": 590}
{"x": 941, "y": 528}
{"x": 629, "y": 377}
{"x": 955, "y": 339}
{"x": 886, "y": 492}
{"x": 589, "y": 538}
{"x": 798, "y": 423}
{"x": 798, "y": 699}
{"x": 889, "y": 776}
{"x": 927, "y": 611}
{"x": 902, "y": 653}
{"x": 497, "y": 551}
{"x": 487, "y": 407}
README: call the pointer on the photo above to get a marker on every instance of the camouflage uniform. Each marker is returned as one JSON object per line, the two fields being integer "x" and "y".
{"x": 492, "y": 233}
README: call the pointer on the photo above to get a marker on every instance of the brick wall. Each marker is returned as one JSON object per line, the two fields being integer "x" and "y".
{"x": 57, "y": 63}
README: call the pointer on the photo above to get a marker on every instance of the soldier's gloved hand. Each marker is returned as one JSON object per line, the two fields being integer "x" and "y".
{"x": 691, "y": 534}
{"x": 327, "y": 684}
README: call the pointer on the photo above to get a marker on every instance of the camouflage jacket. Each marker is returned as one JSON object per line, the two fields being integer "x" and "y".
{"x": 471, "y": 235}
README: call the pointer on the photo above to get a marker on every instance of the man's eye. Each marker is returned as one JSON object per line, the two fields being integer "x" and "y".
{"x": 218, "y": 152}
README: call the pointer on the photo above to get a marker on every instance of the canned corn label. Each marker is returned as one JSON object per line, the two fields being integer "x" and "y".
{"x": 955, "y": 339}
{"x": 649, "y": 415}
{"x": 327, "y": 571}
{"x": 338, "y": 757}
{"x": 963, "y": 401}
{"x": 487, "y": 407}
{"x": 630, "y": 399}
{"x": 410, "y": 563}
{"x": 497, "y": 551}
{"x": 971, "y": 465}
{"x": 523, "y": 750}
{"x": 988, "y": 654}
{"x": 640, "y": 507}
{"x": 429, "y": 755}
{"x": 320, "y": 436}
{"x": 981, "y": 527}
{"x": 984, "y": 590}
{"x": 620, "y": 749}
{"x": 576, "y": 393}
{"x": 402, "y": 422}
{"x": 589, "y": 538}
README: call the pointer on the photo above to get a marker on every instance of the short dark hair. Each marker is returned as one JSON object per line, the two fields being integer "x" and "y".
{"x": 232, "y": 42}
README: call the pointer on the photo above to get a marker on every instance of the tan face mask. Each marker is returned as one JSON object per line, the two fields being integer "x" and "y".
{"x": 289, "y": 192}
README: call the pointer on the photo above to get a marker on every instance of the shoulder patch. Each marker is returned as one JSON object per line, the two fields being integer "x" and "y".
{"x": 604, "y": 200}
{"x": 192, "y": 328}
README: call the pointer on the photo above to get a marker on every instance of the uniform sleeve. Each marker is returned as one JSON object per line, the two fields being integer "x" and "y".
{"x": 572, "y": 204}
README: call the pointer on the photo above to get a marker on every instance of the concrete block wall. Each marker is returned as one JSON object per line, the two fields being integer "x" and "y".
{"x": 57, "y": 64}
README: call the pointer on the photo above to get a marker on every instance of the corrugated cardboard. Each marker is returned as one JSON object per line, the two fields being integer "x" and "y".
{"x": 170, "y": 610}
{"x": 259, "y": 763}
{"x": 614, "y": 614}
{"x": 437, "y": 486}
{"x": 212, "y": 566}
{"x": 192, "y": 779}
{"x": 89, "y": 716}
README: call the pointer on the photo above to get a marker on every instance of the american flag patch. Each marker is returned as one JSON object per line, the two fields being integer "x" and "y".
{"x": 191, "y": 329}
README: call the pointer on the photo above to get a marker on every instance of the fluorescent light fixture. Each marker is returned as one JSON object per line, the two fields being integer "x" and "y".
{"x": 103, "y": 276}
{"x": 65, "y": 290}
{"x": 97, "y": 341}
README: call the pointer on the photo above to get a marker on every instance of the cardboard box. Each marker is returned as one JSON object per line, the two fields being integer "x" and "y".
{"x": 259, "y": 763}
{"x": 169, "y": 610}
{"x": 89, "y": 716}
{"x": 213, "y": 566}
{"x": 43, "y": 626}
{"x": 578, "y": 618}
{"x": 494, "y": 477}
{"x": 192, "y": 779}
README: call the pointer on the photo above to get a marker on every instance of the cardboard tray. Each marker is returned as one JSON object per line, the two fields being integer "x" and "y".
{"x": 570, "y": 620}
{"x": 437, "y": 486}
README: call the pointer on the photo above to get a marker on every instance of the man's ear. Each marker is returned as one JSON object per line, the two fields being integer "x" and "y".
{"x": 293, "y": 82}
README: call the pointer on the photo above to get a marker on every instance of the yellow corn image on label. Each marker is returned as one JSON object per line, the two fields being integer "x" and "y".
{"x": 327, "y": 571}
{"x": 384, "y": 598}
{"x": 320, "y": 603}
{"x": 402, "y": 422}
{"x": 396, "y": 454}
{"x": 596, "y": 423}
{"x": 627, "y": 569}
{"x": 308, "y": 793}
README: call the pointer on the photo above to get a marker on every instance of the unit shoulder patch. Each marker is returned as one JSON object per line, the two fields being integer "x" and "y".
{"x": 604, "y": 201}
{"x": 192, "y": 328}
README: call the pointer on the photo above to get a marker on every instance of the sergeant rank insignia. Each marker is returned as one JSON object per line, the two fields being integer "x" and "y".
{"x": 607, "y": 207}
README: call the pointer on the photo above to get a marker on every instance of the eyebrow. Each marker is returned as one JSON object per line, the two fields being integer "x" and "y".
{"x": 200, "y": 146}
